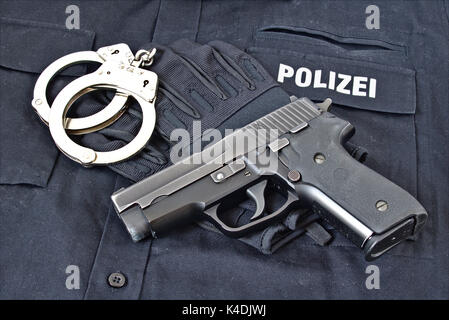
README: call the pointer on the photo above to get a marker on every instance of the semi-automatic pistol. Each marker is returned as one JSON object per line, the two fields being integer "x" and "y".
{"x": 296, "y": 152}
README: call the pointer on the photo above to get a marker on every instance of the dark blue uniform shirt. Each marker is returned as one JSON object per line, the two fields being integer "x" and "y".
{"x": 55, "y": 213}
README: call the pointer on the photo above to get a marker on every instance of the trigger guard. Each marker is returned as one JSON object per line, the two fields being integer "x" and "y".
{"x": 236, "y": 232}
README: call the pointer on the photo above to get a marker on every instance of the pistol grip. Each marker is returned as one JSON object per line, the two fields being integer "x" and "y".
{"x": 367, "y": 208}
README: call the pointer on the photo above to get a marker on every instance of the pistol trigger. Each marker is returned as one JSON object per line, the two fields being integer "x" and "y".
{"x": 256, "y": 193}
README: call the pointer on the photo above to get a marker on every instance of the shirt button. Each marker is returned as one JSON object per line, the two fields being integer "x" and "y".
{"x": 116, "y": 280}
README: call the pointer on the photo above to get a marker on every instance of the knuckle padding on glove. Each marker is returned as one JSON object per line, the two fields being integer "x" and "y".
{"x": 203, "y": 89}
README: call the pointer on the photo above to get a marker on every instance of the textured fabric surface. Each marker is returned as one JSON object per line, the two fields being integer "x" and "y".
{"x": 54, "y": 213}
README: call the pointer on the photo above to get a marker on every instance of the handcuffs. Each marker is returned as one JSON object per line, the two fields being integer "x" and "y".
{"x": 120, "y": 70}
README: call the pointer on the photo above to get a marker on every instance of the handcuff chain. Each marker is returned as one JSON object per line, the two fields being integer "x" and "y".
{"x": 144, "y": 58}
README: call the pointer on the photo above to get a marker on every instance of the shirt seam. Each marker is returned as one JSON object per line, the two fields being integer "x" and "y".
{"x": 98, "y": 248}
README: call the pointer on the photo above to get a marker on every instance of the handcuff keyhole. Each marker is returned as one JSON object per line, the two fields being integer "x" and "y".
{"x": 145, "y": 83}
{"x": 116, "y": 51}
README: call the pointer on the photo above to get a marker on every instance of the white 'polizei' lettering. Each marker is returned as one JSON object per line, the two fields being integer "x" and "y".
{"x": 358, "y": 86}
{"x": 345, "y": 79}
{"x": 303, "y": 77}
{"x": 285, "y": 72}
{"x": 317, "y": 80}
